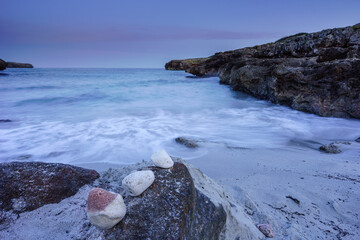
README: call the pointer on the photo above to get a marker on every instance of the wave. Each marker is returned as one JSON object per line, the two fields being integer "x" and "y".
{"x": 29, "y": 88}
{"x": 62, "y": 100}
{"x": 130, "y": 138}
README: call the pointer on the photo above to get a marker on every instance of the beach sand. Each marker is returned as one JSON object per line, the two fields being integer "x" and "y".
{"x": 268, "y": 183}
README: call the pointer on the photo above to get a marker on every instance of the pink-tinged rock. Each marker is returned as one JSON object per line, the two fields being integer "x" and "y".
{"x": 266, "y": 229}
{"x": 105, "y": 209}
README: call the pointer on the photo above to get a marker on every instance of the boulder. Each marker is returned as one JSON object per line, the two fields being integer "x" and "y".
{"x": 187, "y": 142}
{"x": 105, "y": 209}
{"x": 19, "y": 65}
{"x": 162, "y": 159}
{"x": 172, "y": 208}
{"x": 330, "y": 148}
{"x": 316, "y": 72}
{"x": 3, "y": 64}
{"x": 25, "y": 186}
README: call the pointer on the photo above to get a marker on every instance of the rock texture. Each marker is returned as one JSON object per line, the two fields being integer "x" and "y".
{"x": 172, "y": 208}
{"x": 3, "y": 64}
{"x": 317, "y": 72}
{"x": 25, "y": 186}
{"x": 19, "y": 65}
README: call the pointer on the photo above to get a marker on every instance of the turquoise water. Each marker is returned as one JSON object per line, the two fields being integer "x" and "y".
{"x": 123, "y": 115}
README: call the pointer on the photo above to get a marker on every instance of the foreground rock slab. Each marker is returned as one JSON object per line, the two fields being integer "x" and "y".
{"x": 182, "y": 203}
{"x": 25, "y": 186}
{"x": 171, "y": 208}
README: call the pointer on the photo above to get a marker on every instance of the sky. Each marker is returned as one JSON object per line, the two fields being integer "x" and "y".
{"x": 122, "y": 33}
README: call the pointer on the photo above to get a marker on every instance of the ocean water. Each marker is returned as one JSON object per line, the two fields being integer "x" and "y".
{"x": 121, "y": 116}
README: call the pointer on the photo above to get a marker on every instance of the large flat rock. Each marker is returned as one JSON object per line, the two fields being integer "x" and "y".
{"x": 25, "y": 186}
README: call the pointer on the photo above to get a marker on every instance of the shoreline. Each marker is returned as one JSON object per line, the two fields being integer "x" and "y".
{"x": 267, "y": 183}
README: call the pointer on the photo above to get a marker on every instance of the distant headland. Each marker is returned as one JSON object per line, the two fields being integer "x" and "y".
{"x": 311, "y": 72}
{"x": 4, "y": 65}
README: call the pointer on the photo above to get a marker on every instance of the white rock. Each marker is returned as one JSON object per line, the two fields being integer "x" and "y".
{"x": 105, "y": 209}
{"x": 162, "y": 159}
{"x": 137, "y": 182}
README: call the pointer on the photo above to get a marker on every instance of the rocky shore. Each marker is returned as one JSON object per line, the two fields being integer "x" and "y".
{"x": 19, "y": 65}
{"x": 44, "y": 200}
{"x": 312, "y": 72}
{"x": 4, "y": 65}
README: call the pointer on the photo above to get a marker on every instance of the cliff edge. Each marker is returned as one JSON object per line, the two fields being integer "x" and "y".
{"x": 312, "y": 72}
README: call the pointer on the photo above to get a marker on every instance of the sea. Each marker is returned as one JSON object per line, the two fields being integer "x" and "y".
{"x": 121, "y": 116}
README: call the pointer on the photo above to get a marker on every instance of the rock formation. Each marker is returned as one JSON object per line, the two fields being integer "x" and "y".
{"x": 317, "y": 72}
{"x": 3, "y": 64}
{"x": 172, "y": 208}
{"x": 19, "y": 65}
{"x": 184, "y": 64}
{"x": 182, "y": 203}
{"x": 25, "y": 186}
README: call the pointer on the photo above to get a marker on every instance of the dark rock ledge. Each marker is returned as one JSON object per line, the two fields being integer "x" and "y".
{"x": 173, "y": 207}
{"x": 25, "y": 186}
{"x": 19, "y": 65}
{"x": 3, "y": 64}
{"x": 311, "y": 72}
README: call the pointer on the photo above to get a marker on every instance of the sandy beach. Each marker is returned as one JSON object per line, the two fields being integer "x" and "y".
{"x": 264, "y": 181}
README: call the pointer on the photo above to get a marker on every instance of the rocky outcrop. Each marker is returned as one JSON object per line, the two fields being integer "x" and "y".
{"x": 25, "y": 186}
{"x": 171, "y": 208}
{"x": 3, "y": 64}
{"x": 317, "y": 72}
{"x": 189, "y": 143}
{"x": 19, "y": 65}
{"x": 184, "y": 64}
{"x": 181, "y": 203}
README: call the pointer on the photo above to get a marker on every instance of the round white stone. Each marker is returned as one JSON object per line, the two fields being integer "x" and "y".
{"x": 137, "y": 182}
{"x": 162, "y": 159}
{"x": 110, "y": 216}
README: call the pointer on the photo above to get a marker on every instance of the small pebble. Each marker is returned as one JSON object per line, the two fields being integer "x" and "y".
{"x": 266, "y": 229}
{"x": 162, "y": 159}
{"x": 105, "y": 209}
{"x": 137, "y": 182}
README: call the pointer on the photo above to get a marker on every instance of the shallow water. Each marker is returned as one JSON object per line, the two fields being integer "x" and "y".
{"x": 121, "y": 116}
